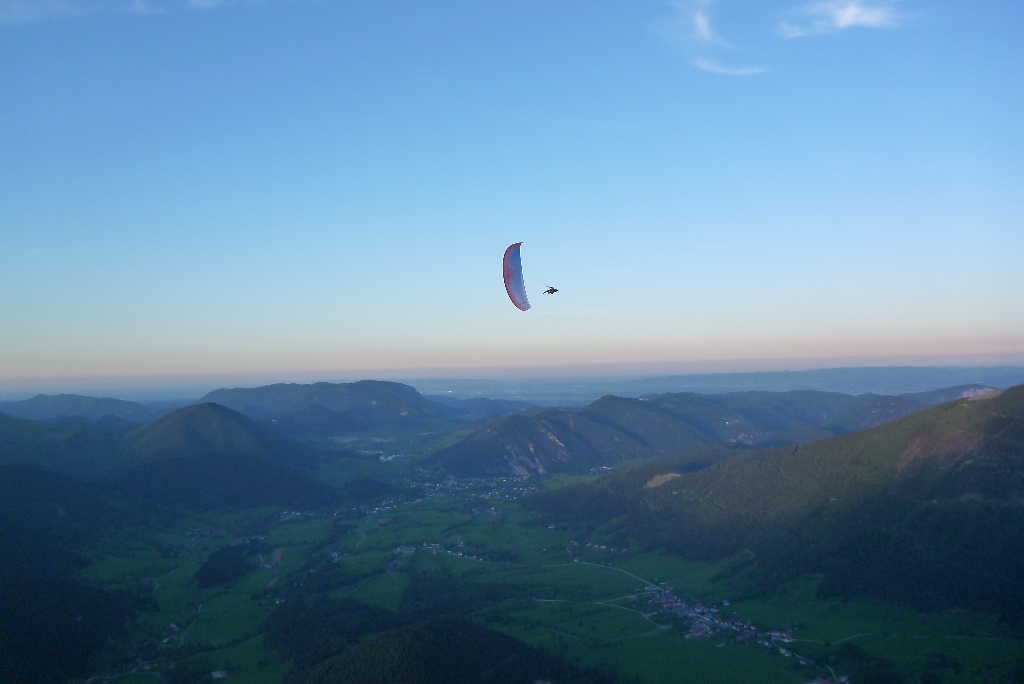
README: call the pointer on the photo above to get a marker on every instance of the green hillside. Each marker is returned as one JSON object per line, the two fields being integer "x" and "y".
{"x": 613, "y": 429}
{"x": 209, "y": 428}
{"x": 102, "y": 449}
{"x": 926, "y": 509}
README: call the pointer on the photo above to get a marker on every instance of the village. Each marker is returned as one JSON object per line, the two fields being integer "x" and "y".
{"x": 704, "y": 621}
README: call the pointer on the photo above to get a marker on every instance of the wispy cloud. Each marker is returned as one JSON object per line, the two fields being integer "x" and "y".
{"x": 145, "y": 7}
{"x": 692, "y": 27}
{"x": 207, "y": 4}
{"x": 692, "y": 23}
{"x": 27, "y": 11}
{"x": 835, "y": 15}
{"x": 716, "y": 68}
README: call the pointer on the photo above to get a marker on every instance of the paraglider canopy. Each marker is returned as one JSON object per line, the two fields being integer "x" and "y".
{"x": 512, "y": 271}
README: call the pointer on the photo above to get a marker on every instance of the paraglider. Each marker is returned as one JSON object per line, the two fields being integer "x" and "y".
{"x": 512, "y": 271}
{"x": 551, "y": 290}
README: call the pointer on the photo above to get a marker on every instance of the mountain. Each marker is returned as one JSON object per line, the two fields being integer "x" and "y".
{"x": 927, "y": 510}
{"x": 275, "y": 401}
{"x": 45, "y": 407}
{"x": 365, "y": 414}
{"x": 614, "y": 429}
{"x": 866, "y": 380}
{"x": 104, "y": 448}
{"x": 210, "y": 428}
{"x": 941, "y": 396}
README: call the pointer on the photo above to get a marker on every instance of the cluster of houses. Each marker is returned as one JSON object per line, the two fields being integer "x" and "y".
{"x": 434, "y": 549}
{"x": 574, "y": 547}
{"x": 707, "y": 621}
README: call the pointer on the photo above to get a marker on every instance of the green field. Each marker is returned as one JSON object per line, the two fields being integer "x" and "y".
{"x": 477, "y": 555}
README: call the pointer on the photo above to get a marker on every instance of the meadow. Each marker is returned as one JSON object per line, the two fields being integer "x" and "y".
{"x": 478, "y": 552}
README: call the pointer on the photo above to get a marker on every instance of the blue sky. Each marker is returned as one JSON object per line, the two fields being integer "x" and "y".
{"x": 300, "y": 189}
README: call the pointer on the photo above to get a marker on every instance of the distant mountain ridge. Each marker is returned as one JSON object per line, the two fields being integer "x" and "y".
{"x": 864, "y": 380}
{"x": 47, "y": 407}
{"x": 362, "y": 414}
{"x": 615, "y": 429}
{"x": 283, "y": 399}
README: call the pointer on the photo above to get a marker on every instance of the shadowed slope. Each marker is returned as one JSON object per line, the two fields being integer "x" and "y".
{"x": 451, "y": 651}
{"x": 226, "y": 482}
{"x": 75, "y": 448}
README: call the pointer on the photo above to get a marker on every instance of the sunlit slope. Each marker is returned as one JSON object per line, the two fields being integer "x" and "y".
{"x": 928, "y": 509}
{"x": 613, "y": 429}
{"x": 209, "y": 428}
{"x": 963, "y": 448}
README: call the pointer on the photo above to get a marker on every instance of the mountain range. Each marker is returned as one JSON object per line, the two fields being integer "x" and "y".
{"x": 614, "y": 429}
{"x": 47, "y": 407}
{"x": 926, "y": 510}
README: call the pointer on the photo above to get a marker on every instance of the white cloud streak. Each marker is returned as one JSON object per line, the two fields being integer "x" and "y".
{"x": 144, "y": 7}
{"x": 692, "y": 24}
{"x": 835, "y": 15}
{"x": 714, "y": 67}
{"x": 692, "y": 28}
{"x": 30, "y": 11}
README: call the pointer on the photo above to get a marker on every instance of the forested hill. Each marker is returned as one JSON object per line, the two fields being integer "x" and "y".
{"x": 892, "y": 511}
{"x": 95, "y": 450}
{"x": 445, "y": 652}
{"x": 205, "y": 428}
{"x": 613, "y": 429}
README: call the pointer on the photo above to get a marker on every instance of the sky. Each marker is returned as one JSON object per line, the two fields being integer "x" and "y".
{"x": 307, "y": 189}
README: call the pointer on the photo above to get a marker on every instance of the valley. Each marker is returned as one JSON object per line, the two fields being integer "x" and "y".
{"x": 470, "y": 549}
{"x": 211, "y": 546}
